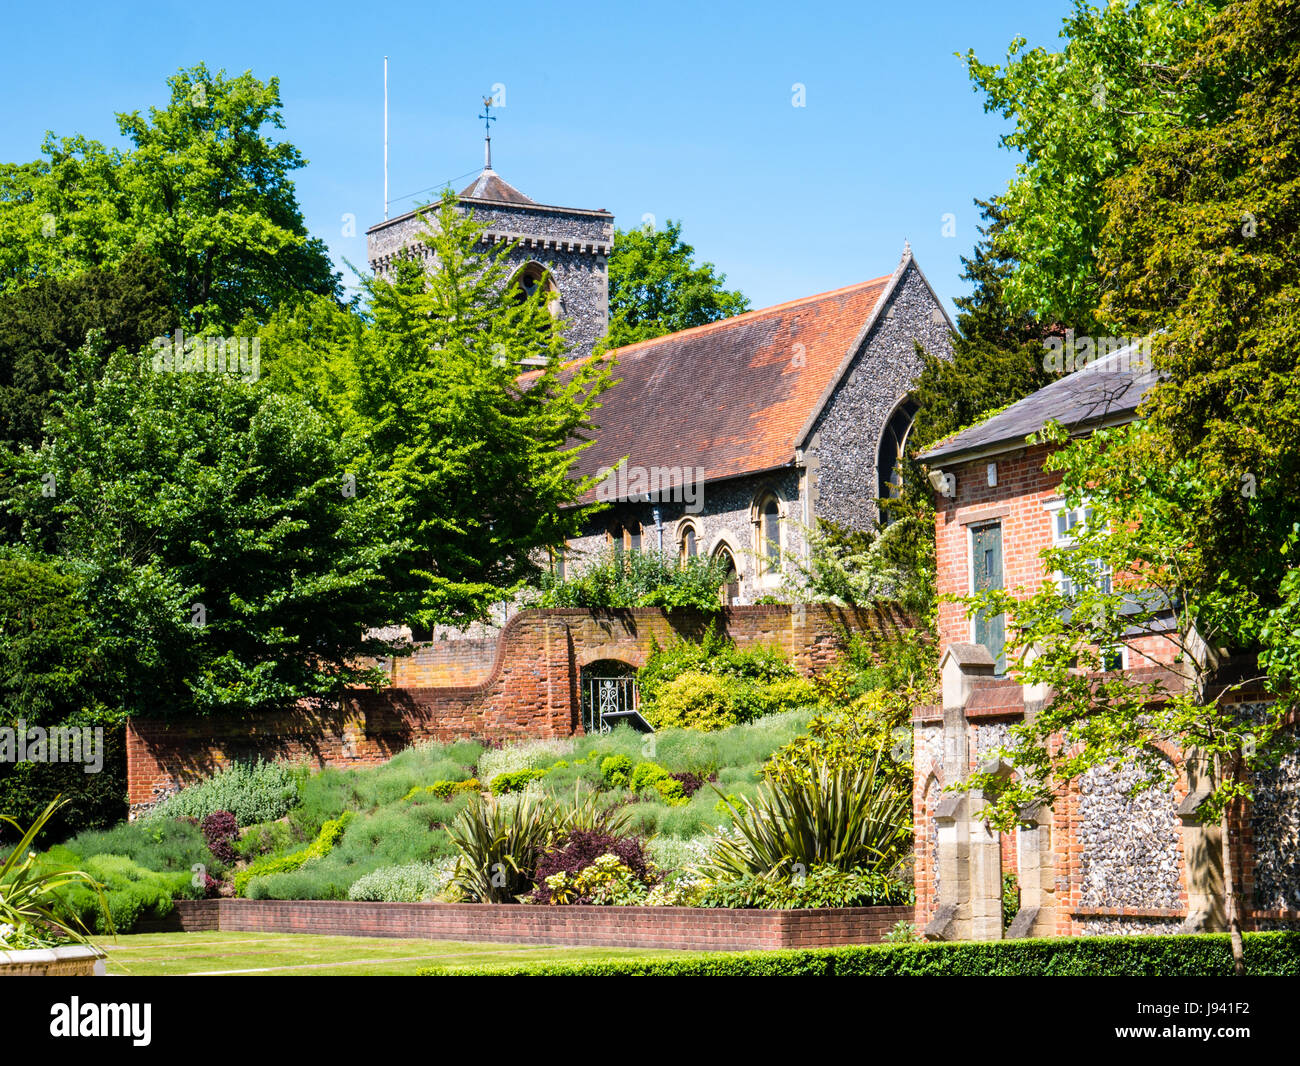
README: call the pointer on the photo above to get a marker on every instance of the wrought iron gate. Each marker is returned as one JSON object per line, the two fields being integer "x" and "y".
{"x": 604, "y": 696}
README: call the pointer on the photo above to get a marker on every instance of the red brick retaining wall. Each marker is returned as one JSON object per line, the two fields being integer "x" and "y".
{"x": 531, "y": 690}
{"x": 684, "y": 928}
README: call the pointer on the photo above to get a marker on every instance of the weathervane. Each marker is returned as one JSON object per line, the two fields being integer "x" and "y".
{"x": 488, "y": 118}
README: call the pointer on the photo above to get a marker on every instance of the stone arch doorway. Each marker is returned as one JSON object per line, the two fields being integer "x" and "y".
{"x": 608, "y": 693}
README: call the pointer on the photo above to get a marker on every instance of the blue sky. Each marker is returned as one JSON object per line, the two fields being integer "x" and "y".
{"x": 676, "y": 110}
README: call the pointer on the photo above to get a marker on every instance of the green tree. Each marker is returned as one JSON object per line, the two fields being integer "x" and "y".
{"x": 51, "y": 674}
{"x": 455, "y": 385}
{"x": 1193, "y": 529}
{"x": 997, "y": 359}
{"x": 656, "y": 287}
{"x": 233, "y": 549}
{"x": 48, "y": 658}
{"x": 1081, "y": 116}
{"x": 997, "y": 352}
{"x": 42, "y": 322}
{"x": 203, "y": 189}
{"x": 1202, "y": 239}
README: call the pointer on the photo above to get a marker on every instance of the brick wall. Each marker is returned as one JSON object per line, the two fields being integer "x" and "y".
{"x": 530, "y": 689}
{"x": 1017, "y": 502}
{"x": 683, "y": 928}
{"x": 446, "y": 663}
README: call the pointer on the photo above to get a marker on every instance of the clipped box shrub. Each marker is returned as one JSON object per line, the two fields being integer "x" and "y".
{"x": 514, "y": 781}
{"x": 1201, "y": 955}
{"x": 444, "y": 789}
{"x": 645, "y": 774}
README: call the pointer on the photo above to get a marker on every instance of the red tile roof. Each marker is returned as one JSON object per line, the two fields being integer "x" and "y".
{"x": 731, "y": 396}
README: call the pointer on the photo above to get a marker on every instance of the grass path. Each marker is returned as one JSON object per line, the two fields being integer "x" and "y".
{"x": 270, "y": 954}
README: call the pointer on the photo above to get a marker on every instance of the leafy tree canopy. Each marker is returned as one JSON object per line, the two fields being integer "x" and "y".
{"x": 48, "y": 658}
{"x": 1193, "y": 527}
{"x": 41, "y": 323}
{"x": 656, "y": 287}
{"x": 203, "y": 188}
{"x": 1081, "y": 115}
{"x": 1202, "y": 240}
{"x": 455, "y": 386}
{"x": 232, "y": 549}
{"x": 997, "y": 359}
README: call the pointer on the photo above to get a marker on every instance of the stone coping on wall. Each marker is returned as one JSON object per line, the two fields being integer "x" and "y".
{"x": 1129, "y": 912}
{"x": 1275, "y": 916}
{"x": 681, "y": 928}
{"x": 70, "y": 960}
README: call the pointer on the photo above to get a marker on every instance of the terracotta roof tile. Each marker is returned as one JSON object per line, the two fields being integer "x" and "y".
{"x": 731, "y": 396}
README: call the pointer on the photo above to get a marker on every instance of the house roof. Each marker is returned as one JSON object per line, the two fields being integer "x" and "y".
{"x": 731, "y": 396}
{"x": 489, "y": 186}
{"x": 1107, "y": 390}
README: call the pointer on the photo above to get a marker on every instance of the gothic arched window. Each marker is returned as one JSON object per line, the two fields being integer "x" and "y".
{"x": 766, "y": 516}
{"x": 625, "y": 536}
{"x": 731, "y": 586}
{"x": 889, "y": 479}
{"x": 687, "y": 540}
{"x": 530, "y": 278}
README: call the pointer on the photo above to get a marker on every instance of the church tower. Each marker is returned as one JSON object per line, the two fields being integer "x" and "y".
{"x": 568, "y": 245}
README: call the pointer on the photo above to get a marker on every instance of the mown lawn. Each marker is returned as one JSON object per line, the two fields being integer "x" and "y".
{"x": 281, "y": 954}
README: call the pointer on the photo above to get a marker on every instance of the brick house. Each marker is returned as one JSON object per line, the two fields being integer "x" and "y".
{"x": 1097, "y": 861}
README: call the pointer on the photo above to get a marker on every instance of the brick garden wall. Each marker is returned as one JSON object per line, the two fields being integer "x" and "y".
{"x": 683, "y": 928}
{"x": 528, "y": 689}
{"x": 446, "y": 663}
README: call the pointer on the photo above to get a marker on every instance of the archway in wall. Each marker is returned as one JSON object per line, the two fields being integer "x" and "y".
{"x": 607, "y": 687}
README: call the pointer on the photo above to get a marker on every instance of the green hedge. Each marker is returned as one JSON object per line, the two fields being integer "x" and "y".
{"x": 1267, "y": 954}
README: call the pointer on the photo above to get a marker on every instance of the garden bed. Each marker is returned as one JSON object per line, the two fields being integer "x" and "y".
{"x": 683, "y": 928}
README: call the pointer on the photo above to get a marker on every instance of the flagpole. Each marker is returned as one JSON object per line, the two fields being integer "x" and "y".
{"x": 385, "y": 138}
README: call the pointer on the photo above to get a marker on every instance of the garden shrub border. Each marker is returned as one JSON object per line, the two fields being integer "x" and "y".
{"x": 330, "y": 834}
{"x": 1200, "y": 955}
